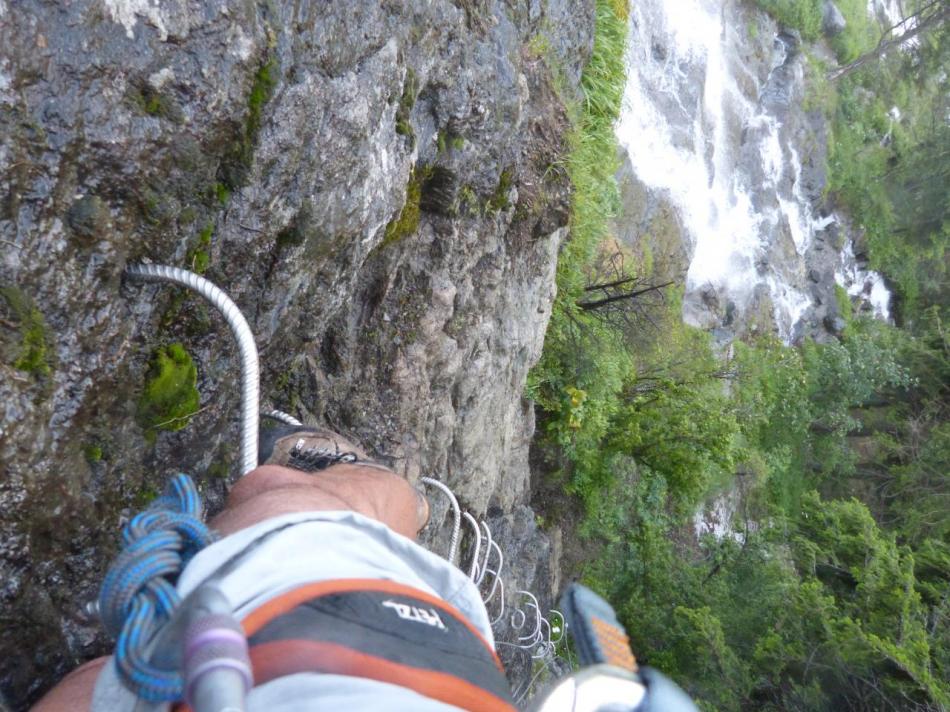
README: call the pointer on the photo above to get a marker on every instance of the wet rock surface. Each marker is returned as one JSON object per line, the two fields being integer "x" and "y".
{"x": 373, "y": 185}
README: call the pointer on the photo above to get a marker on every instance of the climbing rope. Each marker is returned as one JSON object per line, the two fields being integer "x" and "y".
{"x": 138, "y": 594}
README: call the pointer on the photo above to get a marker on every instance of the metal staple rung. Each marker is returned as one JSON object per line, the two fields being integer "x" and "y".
{"x": 283, "y": 417}
{"x": 456, "y": 515}
{"x": 473, "y": 571}
{"x": 539, "y": 643}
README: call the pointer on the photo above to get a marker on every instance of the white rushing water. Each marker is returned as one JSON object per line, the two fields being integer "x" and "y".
{"x": 868, "y": 285}
{"x": 699, "y": 126}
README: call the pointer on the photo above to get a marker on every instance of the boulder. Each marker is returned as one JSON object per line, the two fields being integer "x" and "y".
{"x": 832, "y": 21}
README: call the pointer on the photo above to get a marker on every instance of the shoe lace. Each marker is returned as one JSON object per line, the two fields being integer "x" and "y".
{"x": 310, "y": 459}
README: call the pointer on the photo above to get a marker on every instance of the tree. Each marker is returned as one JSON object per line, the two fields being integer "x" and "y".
{"x": 626, "y": 298}
{"x": 618, "y": 296}
{"x": 929, "y": 15}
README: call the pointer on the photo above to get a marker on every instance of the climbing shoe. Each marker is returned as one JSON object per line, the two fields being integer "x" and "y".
{"x": 310, "y": 449}
{"x": 306, "y": 448}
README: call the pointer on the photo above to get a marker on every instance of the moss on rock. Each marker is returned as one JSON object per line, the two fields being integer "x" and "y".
{"x": 240, "y": 153}
{"x": 499, "y": 199}
{"x": 408, "y": 99}
{"x": 30, "y": 349}
{"x": 93, "y": 453}
{"x": 407, "y": 222}
{"x": 199, "y": 257}
{"x": 170, "y": 396}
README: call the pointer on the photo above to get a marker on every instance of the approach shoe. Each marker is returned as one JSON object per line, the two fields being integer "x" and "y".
{"x": 309, "y": 449}
{"x": 306, "y": 448}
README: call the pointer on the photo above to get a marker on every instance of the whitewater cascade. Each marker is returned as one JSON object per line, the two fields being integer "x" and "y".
{"x": 707, "y": 127}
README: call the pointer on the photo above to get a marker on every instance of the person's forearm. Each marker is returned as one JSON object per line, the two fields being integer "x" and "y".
{"x": 74, "y": 692}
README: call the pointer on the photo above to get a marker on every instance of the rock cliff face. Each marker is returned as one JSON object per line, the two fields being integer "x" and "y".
{"x": 375, "y": 184}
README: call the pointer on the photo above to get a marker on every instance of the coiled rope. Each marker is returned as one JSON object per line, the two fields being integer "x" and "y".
{"x": 138, "y": 593}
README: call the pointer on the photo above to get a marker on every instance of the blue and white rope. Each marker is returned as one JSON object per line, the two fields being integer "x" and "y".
{"x": 138, "y": 593}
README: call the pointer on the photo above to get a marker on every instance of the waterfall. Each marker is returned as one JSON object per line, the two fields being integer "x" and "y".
{"x": 705, "y": 120}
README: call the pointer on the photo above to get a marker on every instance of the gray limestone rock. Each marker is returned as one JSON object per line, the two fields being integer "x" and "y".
{"x": 832, "y": 21}
{"x": 288, "y": 150}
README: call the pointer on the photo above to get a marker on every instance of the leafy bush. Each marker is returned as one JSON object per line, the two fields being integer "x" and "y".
{"x": 861, "y": 31}
{"x": 801, "y": 15}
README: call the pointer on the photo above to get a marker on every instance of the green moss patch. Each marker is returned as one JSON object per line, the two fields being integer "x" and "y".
{"x": 408, "y": 220}
{"x": 199, "y": 257}
{"x": 29, "y": 348}
{"x": 410, "y": 89}
{"x": 240, "y": 153}
{"x": 222, "y": 193}
{"x": 499, "y": 199}
{"x": 261, "y": 91}
{"x": 93, "y": 453}
{"x": 152, "y": 102}
{"x": 169, "y": 397}
{"x": 446, "y": 139}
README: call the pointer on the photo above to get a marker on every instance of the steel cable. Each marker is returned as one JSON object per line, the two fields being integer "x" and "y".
{"x": 250, "y": 368}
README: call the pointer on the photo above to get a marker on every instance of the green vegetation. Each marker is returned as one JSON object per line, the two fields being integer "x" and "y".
{"x": 829, "y": 586}
{"x": 499, "y": 199}
{"x": 446, "y": 139}
{"x": 261, "y": 90}
{"x": 150, "y": 101}
{"x": 584, "y": 364}
{"x": 33, "y": 352}
{"x": 407, "y": 221}
{"x": 408, "y": 99}
{"x": 240, "y": 153}
{"x": 843, "y": 300}
{"x": 93, "y": 453}
{"x": 801, "y": 15}
{"x": 169, "y": 397}
{"x": 860, "y": 34}
{"x": 219, "y": 469}
{"x": 199, "y": 257}
{"x": 888, "y": 166}
{"x": 222, "y": 193}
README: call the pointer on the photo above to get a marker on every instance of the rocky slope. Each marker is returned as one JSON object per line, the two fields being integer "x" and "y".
{"x": 375, "y": 184}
